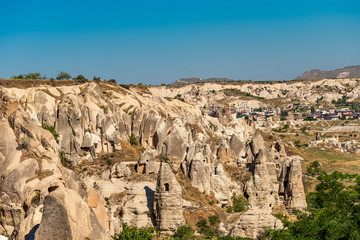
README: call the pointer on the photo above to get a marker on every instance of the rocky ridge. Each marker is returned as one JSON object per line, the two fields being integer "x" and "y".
{"x": 259, "y": 94}
{"x": 346, "y": 72}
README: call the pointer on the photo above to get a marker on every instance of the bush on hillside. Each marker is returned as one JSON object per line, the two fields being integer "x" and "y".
{"x": 333, "y": 212}
{"x": 240, "y": 204}
{"x": 53, "y": 132}
{"x": 134, "y": 233}
{"x": 63, "y": 76}
{"x": 184, "y": 232}
{"x": 133, "y": 140}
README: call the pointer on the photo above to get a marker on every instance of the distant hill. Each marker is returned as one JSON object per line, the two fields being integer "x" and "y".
{"x": 201, "y": 80}
{"x": 346, "y": 72}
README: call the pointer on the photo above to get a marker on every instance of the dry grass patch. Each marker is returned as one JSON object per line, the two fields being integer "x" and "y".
{"x": 194, "y": 216}
{"x": 105, "y": 161}
{"x": 29, "y": 83}
{"x": 193, "y": 195}
{"x": 237, "y": 174}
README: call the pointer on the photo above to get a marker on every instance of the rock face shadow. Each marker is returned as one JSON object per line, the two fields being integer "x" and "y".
{"x": 150, "y": 198}
{"x": 150, "y": 194}
{"x": 31, "y": 234}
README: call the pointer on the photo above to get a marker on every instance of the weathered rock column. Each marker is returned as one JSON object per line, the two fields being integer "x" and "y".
{"x": 168, "y": 202}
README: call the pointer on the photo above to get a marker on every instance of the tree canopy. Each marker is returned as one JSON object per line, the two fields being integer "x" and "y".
{"x": 36, "y": 75}
{"x": 63, "y": 76}
{"x": 333, "y": 212}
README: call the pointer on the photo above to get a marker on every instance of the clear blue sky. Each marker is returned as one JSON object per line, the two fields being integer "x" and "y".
{"x": 155, "y": 41}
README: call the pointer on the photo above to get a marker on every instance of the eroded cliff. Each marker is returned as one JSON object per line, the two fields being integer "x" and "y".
{"x": 94, "y": 156}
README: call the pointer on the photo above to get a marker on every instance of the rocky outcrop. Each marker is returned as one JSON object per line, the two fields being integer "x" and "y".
{"x": 200, "y": 174}
{"x": 67, "y": 216}
{"x": 294, "y": 188}
{"x": 168, "y": 200}
{"x": 147, "y": 163}
{"x": 111, "y": 184}
{"x": 253, "y": 222}
{"x": 275, "y": 180}
{"x": 138, "y": 206}
{"x": 214, "y": 94}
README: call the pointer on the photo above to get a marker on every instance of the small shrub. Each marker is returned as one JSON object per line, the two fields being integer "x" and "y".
{"x": 126, "y": 86}
{"x": 35, "y": 201}
{"x": 133, "y": 140}
{"x": 96, "y": 79}
{"x": 277, "y": 129}
{"x": 240, "y": 204}
{"x": 108, "y": 161}
{"x": 53, "y": 132}
{"x": 316, "y": 164}
{"x": 214, "y": 220}
{"x": 303, "y": 129}
{"x": 184, "y": 232}
{"x": 64, "y": 161}
{"x": 134, "y": 233}
{"x": 209, "y": 231}
{"x": 80, "y": 78}
{"x": 165, "y": 159}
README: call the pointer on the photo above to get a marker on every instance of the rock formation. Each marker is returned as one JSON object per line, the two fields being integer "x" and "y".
{"x": 114, "y": 139}
{"x": 67, "y": 216}
{"x": 168, "y": 200}
{"x": 273, "y": 182}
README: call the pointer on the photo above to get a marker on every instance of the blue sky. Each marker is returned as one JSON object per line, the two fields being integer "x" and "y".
{"x": 154, "y": 42}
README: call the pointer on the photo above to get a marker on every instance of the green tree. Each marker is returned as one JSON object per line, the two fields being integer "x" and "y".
{"x": 20, "y": 76}
{"x": 333, "y": 213}
{"x": 184, "y": 232}
{"x": 133, "y": 140}
{"x": 80, "y": 78}
{"x": 96, "y": 79}
{"x": 36, "y": 75}
{"x": 63, "y": 76}
{"x": 209, "y": 231}
{"x": 240, "y": 204}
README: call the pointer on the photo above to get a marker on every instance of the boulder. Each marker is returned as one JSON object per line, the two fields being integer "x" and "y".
{"x": 252, "y": 223}
{"x": 138, "y": 208}
{"x": 200, "y": 174}
{"x": 67, "y": 216}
